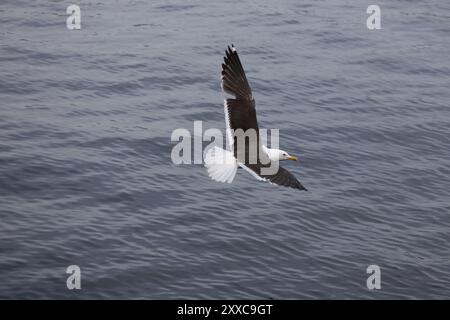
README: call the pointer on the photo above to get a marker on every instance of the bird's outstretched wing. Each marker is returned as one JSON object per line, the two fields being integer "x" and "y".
{"x": 240, "y": 113}
{"x": 282, "y": 178}
{"x": 234, "y": 80}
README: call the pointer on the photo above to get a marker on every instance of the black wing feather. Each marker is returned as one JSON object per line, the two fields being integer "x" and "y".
{"x": 234, "y": 80}
{"x": 282, "y": 178}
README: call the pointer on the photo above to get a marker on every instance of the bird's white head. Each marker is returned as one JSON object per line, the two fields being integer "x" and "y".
{"x": 278, "y": 155}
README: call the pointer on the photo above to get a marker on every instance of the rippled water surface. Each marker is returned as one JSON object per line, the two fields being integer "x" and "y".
{"x": 86, "y": 176}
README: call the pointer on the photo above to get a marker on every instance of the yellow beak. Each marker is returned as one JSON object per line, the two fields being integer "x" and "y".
{"x": 292, "y": 158}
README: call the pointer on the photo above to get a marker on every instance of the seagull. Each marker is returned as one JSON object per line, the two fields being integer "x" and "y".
{"x": 240, "y": 114}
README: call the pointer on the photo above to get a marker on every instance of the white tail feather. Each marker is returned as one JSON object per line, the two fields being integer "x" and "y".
{"x": 221, "y": 164}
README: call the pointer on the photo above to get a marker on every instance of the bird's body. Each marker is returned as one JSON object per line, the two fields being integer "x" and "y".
{"x": 241, "y": 124}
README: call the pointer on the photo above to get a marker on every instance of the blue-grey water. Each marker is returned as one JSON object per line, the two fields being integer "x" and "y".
{"x": 86, "y": 176}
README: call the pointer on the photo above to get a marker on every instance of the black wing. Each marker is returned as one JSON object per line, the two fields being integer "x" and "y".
{"x": 282, "y": 178}
{"x": 240, "y": 113}
{"x": 234, "y": 80}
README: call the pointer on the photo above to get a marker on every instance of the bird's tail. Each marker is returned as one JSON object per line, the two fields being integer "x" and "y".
{"x": 221, "y": 164}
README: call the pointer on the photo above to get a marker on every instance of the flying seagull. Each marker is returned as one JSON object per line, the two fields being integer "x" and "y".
{"x": 240, "y": 115}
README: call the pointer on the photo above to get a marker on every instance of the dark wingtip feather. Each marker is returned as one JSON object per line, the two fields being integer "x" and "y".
{"x": 235, "y": 81}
